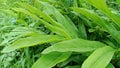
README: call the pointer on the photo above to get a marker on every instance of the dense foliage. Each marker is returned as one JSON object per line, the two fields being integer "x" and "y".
{"x": 60, "y": 33}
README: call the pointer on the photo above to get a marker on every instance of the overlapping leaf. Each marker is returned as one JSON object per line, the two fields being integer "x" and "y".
{"x": 99, "y": 58}
{"x": 31, "y": 41}
{"x": 74, "y": 45}
{"x": 98, "y": 20}
{"x": 51, "y": 59}
{"x": 104, "y": 8}
{"x": 70, "y": 28}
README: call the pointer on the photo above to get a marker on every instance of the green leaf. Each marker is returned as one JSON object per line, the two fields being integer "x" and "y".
{"x": 69, "y": 27}
{"x": 39, "y": 13}
{"x": 110, "y": 66}
{"x": 82, "y": 30}
{"x": 16, "y": 33}
{"x": 97, "y": 4}
{"x": 75, "y": 45}
{"x": 98, "y": 20}
{"x": 99, "y": 58}
{"x": 47, "y": 24}
{"x": 104, "y": 8}
{"x": 51, "y": 59}
{"x": 95, "y": 18}
{"x": 31, "y": 41}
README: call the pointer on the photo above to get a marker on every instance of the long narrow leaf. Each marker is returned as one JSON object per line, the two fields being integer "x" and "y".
{"x": 99, "y": 58}
{"x": 53, "y": 28}
{"x": 39, "y": 13}
{"x": 50, "y": 60}
{"x": 74, "y": 45}
{"x": 98, "y": 20}
{"x": 64, "y": 20}
{"x": 104, "y": 8}
{"x": 31, "y": 41}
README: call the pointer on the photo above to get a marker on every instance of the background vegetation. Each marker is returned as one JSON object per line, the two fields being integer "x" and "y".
{"x": 59, "y": 33}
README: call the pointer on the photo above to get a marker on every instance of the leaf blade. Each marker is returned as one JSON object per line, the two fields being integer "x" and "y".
{"x": 31, "y": 41}
{"x": 105, "y": 9}
{"x": 98, "y": 57}
{"x": 50, "y": 60}
{"x": 75, "y": 45}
